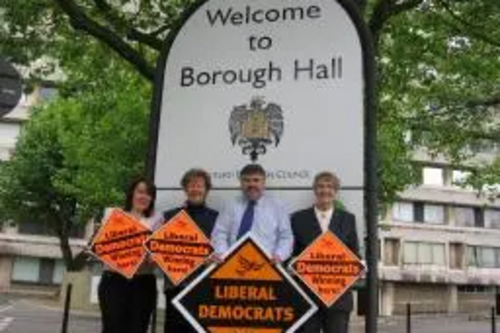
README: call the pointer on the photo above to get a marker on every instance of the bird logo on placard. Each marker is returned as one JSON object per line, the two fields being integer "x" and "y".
{"x": 256, "y": 126}
{"x": 247, "y": 266}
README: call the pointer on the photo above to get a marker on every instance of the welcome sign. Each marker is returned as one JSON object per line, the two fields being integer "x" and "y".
{"x": 288, "y": 84}
{"x": 268, "y": 81}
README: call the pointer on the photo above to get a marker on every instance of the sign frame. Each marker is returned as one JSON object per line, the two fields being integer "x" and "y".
{"x": 279, "y": 267}
{"x": 371, "y": 182}
{"x": 294, "y": 260}
{"x": 179, "y": 282}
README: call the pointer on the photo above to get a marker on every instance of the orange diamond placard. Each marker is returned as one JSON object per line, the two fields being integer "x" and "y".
{"x": 328, "y": 268}
{"x": 120, "y": 243}
{"x": 179, "y": 247}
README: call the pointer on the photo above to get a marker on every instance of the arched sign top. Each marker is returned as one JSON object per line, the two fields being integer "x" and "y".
{"x": 262, "y": 81}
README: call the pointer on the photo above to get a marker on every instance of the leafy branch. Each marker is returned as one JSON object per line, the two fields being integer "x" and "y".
{"x": 466, "y": 26}
{"x": 81, "y": 21}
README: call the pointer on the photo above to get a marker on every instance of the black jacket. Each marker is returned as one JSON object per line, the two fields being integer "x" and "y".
{"x": 306, "y": 229}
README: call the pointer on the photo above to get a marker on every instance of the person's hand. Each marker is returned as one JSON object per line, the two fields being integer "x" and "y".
{"x": 276, "y": 259}
{"x": 215, "y": 258}
{"x": 87, "y": 249}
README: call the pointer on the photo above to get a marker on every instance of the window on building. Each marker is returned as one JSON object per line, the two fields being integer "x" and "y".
{"x": 483, "y": 257}
{"x": 423, "y": 253}
{"x": 492, "y": 218}
{"x": 487, "y": 257}
{"x": 42, "y": 229}
{"x": 433, "y": 214}
{"x": 478, "y": 217}
{"x": 438, "y": 254}
{"x": 35, "y": 228}
{"x": 46, "y": 273}
{"x": 433, "y": 176}
{"x": 464, "y": 216}
{"x": 25, "y": 269}
{"x": 32, "y": 270}
{"x": 402, "y": 211}
{"x": 474, "y": 289}
{"x": 418, "y": 212}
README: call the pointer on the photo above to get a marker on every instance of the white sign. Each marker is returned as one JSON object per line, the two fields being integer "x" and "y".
{"x": 277, "y": 82}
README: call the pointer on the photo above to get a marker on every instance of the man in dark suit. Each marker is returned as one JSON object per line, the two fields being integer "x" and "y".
{"x": 310, "y": 223}
{"x": 196, "y": 184}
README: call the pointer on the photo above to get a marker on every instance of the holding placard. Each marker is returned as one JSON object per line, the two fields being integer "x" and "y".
{"x": 119, "y": 243}
{"x": 328, "y": 268}
{"x": 179, "y": 247}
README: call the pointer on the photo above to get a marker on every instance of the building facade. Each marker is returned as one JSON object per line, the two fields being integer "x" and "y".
{"x": 440, "y": 245}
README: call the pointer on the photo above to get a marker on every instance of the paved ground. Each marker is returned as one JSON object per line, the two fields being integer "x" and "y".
{"x": 28, "y": 316}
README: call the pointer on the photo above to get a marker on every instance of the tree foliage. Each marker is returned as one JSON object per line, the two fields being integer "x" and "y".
{"x": 79, "y": 151}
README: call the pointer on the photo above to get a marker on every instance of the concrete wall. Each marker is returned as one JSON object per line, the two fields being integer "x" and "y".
{"x": 424, "y": 298}
{"x": 480, "y": 302}
{"x": 6, "y": 263}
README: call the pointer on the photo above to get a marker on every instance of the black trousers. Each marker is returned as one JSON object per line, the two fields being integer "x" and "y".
{"x": 327, "y": 321}
{"x": 126, "y": 305}
{"x": 174, "y": 321}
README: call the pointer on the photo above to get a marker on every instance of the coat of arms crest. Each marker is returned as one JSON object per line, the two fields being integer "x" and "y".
{"x": 256, "y": 126}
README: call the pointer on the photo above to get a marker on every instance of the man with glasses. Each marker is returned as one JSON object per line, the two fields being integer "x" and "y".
{"x": 257, "y": 213}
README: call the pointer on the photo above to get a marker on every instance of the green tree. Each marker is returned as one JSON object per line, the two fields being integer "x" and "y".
{"x": 78, "y": 152}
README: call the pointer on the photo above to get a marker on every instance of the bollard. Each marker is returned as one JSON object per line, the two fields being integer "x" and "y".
{"x": 67, "y": 305}
{"x": 497, "y": 303}
{"x": 408, "y": 318}
{"x": 493, "y": 320}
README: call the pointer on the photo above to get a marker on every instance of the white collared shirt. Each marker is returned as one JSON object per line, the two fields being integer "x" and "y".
{"x": 324, "y": 217}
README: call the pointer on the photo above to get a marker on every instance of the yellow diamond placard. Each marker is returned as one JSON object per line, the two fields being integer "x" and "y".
{"x": 119, "y": 243}
{"x": 328, "y": 267}
{"x": 179, "y": 247}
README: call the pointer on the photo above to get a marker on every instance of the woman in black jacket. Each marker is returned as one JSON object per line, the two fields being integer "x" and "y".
{"x": 196, "y": 184}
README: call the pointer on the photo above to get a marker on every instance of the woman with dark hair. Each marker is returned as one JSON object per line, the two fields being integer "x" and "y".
{"x": 196, "y": 184}
{"x": 126, "y": 305}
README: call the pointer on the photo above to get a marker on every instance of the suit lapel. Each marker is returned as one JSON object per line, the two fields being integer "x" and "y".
{"x": 335, "y": 223}
{"x": 315, "y": 227}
